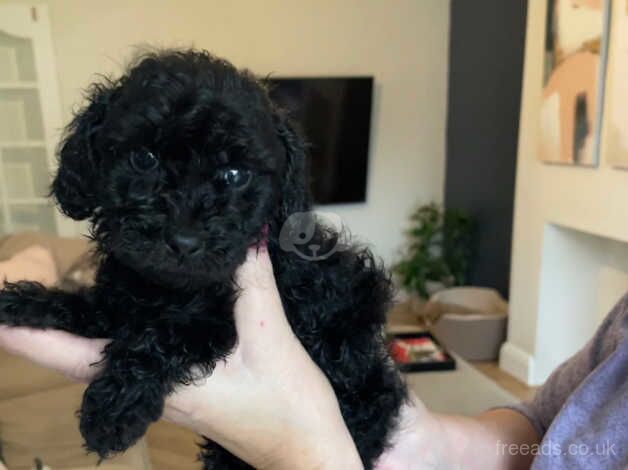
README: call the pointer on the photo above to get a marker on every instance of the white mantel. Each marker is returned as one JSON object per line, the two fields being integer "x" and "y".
{"x": 570, "y": 238}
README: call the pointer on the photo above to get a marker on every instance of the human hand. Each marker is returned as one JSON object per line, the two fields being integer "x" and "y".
{"x": 268, "y": 403}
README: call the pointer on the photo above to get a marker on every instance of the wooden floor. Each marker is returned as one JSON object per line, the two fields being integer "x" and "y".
{"x": 505, "y": 380}
{"x": 172, "y": 446}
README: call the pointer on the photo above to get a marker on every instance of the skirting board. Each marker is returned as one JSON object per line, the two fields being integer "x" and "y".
{"x": 518, "y": 363}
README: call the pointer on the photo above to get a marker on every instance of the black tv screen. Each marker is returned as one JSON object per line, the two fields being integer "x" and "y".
{"x": 334, "y": 114}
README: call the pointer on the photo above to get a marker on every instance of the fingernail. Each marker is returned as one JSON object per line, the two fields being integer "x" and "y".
{"x": 263, "y": 243}
{"x": 257, "y": 248}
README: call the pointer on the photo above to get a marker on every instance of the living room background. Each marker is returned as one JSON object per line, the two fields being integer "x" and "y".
{"x": 406, "y": 51}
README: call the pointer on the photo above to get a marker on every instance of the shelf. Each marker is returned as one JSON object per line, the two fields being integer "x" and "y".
{"x": 26, "y": 144}
{"x": 18, "y": 86}
{"x": 31, "y": 201}
{"x": 21, "y": 116}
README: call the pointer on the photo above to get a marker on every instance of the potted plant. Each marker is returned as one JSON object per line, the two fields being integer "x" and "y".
{"x": 438, "y": 251}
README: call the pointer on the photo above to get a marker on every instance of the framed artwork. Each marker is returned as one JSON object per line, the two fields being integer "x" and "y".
{"x": 576, "y": 41}
{"x": 616, "y": 149}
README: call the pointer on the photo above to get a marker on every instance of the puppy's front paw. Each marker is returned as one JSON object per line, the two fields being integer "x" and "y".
{"x": 18, "y": 303}
{"x": 116, "y": 413}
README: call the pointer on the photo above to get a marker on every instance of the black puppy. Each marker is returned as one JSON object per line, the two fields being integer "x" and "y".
{"x": 181, "y": 165}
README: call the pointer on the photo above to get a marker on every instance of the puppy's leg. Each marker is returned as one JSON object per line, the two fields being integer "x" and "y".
{"x": 128, "y": 395}
{"x": 30, "y": 304}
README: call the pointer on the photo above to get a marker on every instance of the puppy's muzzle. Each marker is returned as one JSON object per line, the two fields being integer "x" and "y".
{"x": 184, "y": 243}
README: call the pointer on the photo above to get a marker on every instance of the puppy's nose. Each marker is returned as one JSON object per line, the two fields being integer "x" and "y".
{"x": 184, "y": 243}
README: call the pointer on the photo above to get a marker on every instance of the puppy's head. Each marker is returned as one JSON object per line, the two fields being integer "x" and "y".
{"x": 180, "y": 164}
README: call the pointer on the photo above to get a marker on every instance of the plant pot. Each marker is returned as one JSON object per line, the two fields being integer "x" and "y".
{"x": 433, "y": 287}
{"x": 417, "y": 306}
{"x": 472, "y": 321}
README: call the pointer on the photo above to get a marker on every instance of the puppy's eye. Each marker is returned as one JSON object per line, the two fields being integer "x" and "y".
{"x": 143, "y": 161}
{"x": 234, "y": 177}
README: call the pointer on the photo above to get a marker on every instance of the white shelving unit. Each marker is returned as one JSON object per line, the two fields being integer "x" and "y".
{"x": 18, "y": 85}
{"x": 30, "y": 117}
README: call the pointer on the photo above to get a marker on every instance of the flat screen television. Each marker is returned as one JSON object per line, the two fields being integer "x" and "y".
{"x": 334, "y": 114}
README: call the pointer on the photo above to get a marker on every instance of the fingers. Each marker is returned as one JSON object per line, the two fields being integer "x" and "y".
{"x": 69, "y": 354}
{"x": 258, "y": 307}
{"x": 257, "y": 270}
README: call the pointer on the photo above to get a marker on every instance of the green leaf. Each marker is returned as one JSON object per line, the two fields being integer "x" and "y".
{"x": 438, "y": 248}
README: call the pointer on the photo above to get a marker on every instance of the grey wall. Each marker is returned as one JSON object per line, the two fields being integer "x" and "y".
{"x": 485, "y": 72}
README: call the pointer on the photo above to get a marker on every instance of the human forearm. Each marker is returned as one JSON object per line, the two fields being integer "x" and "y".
{"x": 495, "y": 440}
{"x": 335, "y": 452}
{"x": 426, "y": 440}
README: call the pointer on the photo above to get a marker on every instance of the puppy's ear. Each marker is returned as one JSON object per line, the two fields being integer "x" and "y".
{"x": 75, "y": 184}
{"x": 295, "y": 195}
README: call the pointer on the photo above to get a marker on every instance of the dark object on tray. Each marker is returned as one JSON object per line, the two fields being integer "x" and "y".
{"x": 419, "y": 352}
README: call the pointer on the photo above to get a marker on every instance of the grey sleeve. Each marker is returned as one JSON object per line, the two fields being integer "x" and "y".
{"x": 551, "y": 396}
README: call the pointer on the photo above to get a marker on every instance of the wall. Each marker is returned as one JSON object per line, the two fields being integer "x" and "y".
{"x": 487, "y": 41}
{"x": 404, "y": 46}
{"x": 569, "y": 259}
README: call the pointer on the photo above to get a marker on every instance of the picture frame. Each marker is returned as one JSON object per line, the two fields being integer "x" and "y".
{"x": 574, "y": 75}
{"x": 616, "y": 116}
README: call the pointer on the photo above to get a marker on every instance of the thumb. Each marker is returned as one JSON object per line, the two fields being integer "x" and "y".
{"x": 258, "y": 308}
{"x": 76, "y": 357}
{"x": 256, "y": 273}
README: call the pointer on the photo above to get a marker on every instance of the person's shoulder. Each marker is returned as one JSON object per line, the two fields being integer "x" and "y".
{"x": 614, "y": 329}
{"x": 619, "y": 314}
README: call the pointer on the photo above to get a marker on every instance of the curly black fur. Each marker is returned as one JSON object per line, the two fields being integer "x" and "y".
{"x": 148, "y": 161}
